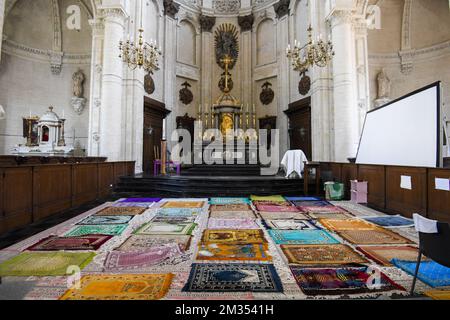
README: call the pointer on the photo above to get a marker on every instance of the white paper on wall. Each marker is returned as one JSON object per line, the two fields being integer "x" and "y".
{"x": 405, "y": 182}
{"x": 442, "y": 184}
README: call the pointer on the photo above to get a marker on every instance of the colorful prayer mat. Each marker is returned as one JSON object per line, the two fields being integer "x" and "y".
{"x": 347, "y": 224}
{"x": 438, "y": 294}
{"x": 106, "y": 229}
{"x": 232, "y": 214}
{"x": 290, "y": 224}
{"x": 302, "y": 198}
{"x": 341, "y": 281}
{"x": 151, "y": 228}
{"x": 178, "y": 212}
{"x": 221, "y": 201}
{"x": 87, "y": 242}
{"x": 234, "y": 236}
{"x": 376, "y": 236}
{"x": 94, "y": 220}
{"x": 302, "y": 237}
{"x": 44, "y": 263}
{"x": 430, "y": 272}
{"x": 320, "y": 203}
{"x": 384, "y": 254}
{"x": 312, "y": 255}
{"x": 391, "y": 221}
{"x": 148, "y": 200}
{"x": 142, "y": 243}
{"x": 231, "y": 277}
{"x": 340, "y": 215}
{"x": 173, "y": 219}
{"x": 145, "y": 205}
{"x": 321, "y": 209}
{"x": 268, "y": 198}
{"x": 118, "y": 211}
{"x": 183, "y": 204}
{"x": 118, "y": 260}
{"x": 283, "y": 215}
{"x": 121, "y": 287}
{"x": 230, "y": 252}
{"x": 271, "y": 208}
{"x": 272, "y": 203}
{"x": 230, "y": 208}
{"x": 232, "y": 224}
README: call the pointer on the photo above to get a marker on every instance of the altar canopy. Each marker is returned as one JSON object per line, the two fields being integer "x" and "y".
{"x": 293, "y": 161}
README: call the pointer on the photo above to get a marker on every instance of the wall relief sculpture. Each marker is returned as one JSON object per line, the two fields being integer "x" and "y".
{"x": 304, "y": 85}
{"x": 78, "y": 101}
{"x": 267, "y": 94}
{"x": 223, "y": 80}
{"x": 186, "y": 95}
{"x": 149, "y": 84}
{"x": 227, "y": 6}
{"x": 227, "y": 44}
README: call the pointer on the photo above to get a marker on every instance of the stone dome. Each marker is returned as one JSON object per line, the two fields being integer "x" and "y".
{"x": 50, "y": 116}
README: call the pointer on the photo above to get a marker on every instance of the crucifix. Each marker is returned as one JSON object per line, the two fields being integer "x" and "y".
{"x": 226, "y": 60}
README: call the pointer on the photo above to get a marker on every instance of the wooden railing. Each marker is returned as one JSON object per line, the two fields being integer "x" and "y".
{"x": 29, "y": 193}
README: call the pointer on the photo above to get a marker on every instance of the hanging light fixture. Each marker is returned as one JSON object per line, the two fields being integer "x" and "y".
{"x": 318, "y": 53}
{"x": 141, "y": 54}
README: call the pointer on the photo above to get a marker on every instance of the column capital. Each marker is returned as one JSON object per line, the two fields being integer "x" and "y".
{"x": 207, "y": 23}
{"x": 341, "y": 16}
{"x": 246, "y": 22}
{"x": 171, "y": 8}
{"x": 97, "y": 25}
{"x": 117, "y": 14}
{"x": 281, "y": 8}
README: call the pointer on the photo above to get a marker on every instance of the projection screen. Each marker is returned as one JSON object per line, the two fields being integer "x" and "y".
{"x": 404, "y": 132}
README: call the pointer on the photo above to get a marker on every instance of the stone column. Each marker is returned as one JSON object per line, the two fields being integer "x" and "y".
{"x": 2, "y": 21}
{"x": 98, "y": 30}
{"x": 207, "y": 60}
{"x": 111, "y": 115}
{"x": 246, "y": 24}
{"x": 345, "y": 87}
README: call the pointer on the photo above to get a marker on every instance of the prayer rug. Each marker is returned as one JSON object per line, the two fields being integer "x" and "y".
{"x": 302, "y": 237}
{"x": 222, "y": 201}
{"x": 283, "y": 215}
{"x": 320, "y": 203}
{"x": 230, "y": 252}
{"x": 347, "y": 224}
{"x": 142, "y": 243}
{"x": 438, "y": 294}
{"x": 322, "y": 209}
{"x": 313, "y": 255}
{"x": 376, "y": 236}
{"x": 148, "y": 200}
{"x": 391, "y": 221}
{"x": 173, "y": 219}
{"x": 232, "y": 214}
{"x": 106, "y": 229}
{"x": 151, "y": 228}
{"x": 430, "y": 272}
{"x": 339, "y": 215}
{"x": 87, "y": 242}
{"x": 183, "y": 204}
{"x": 233, "y": 277}
{"x": 230, "y": 208}
{"x": 178, "y": 212}
{"x": 44, "y": 263}
{"x": 341, "y": 281}
{"x": 302, "y": 199}
{"x": 94, "y": 220}
{"x": 384, "y": 254}
{"x": 118, "y": 260}
{"x": 268, "y": 198}
{"x": 121, "y": 287}
{"x": 271, "y": 208}
{"x": 119, "y": 211}
{"x": 272, "y": 203}
{"x": 234, "y": 236}
{"x": 232, "y": 224}
{"x": 145, "y": 205}
{"x": 290, "y": 224}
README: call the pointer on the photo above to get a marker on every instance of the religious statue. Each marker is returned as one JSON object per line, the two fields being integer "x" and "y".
{"x": 78, "y": 102}
{"x": 384, "y": 85}
{"x": 226, "y": 124}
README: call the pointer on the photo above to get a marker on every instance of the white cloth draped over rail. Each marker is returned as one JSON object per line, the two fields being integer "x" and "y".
{"x": 293, "y": 161}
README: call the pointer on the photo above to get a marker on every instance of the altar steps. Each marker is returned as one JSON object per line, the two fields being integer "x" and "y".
{"x": 209, "y": 186}
{"x": 222, "y": 170}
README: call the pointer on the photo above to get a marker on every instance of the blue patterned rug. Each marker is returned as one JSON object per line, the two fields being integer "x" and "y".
{"x": 430, "y": 272}
{"x": 233, "y": 277}
{"x": 229, "y": 200}
{"x": 391, "y": 221}
{"x": 302, "y": 237}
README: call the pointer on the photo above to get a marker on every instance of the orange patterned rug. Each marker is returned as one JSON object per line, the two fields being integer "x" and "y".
{"x": 232, "y": 252}
{"x": 121, "y": 287}
{"x": 375, "y": 236}
{"x": 183, "y": 204}
{"x": 312, "y": 255}
{"x": 231, "y": 236}
{"x": 347, "y": 224}
{"x": 438, "y": 294}
{"x": 384, "y": 254}
{"x": 119, "y": 211}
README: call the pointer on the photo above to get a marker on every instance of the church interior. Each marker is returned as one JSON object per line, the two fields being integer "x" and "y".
{"x": 224, "y": 149}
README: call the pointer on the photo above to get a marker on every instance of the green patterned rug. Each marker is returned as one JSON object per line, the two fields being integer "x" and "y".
{"x": 44, "y": 263}
{"x": 112, "y": 230}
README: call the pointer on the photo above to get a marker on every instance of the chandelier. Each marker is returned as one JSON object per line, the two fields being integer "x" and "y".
{"x": 141, "y": 55}
{"x": 318, "y": 53}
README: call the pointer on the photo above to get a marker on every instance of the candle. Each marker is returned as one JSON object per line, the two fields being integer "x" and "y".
{"x": 164, "y": 129}
{"x": 64, "y": 113}
{"x": 30, "y": 113}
